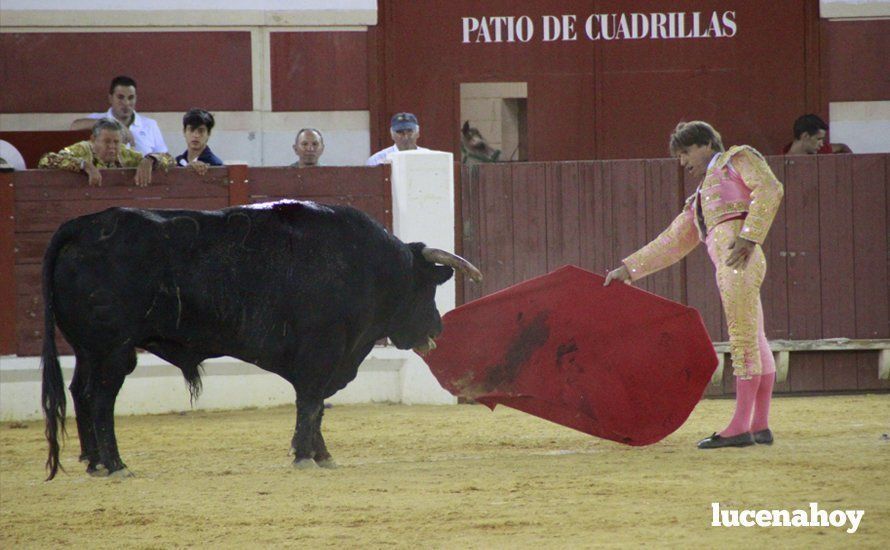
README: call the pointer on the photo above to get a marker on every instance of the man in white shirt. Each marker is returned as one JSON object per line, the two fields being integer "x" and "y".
{"x": 404, "y": 130}
{"x": 143, "y": 133}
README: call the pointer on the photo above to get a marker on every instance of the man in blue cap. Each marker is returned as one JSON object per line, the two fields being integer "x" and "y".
{"x": 404, "y": 130}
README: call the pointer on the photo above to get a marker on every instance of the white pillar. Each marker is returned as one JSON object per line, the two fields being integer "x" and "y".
{"x": 423, "y": 210}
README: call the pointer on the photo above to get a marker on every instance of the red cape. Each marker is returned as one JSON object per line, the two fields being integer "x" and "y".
{"x": 615, "y": 362}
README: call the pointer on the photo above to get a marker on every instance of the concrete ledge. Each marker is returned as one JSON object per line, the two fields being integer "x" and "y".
{"x": 387, "y": 375}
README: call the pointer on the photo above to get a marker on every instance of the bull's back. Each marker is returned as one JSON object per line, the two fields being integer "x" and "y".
{"x": 138, "y": 273}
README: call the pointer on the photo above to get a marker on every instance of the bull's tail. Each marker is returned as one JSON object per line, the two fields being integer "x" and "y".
{"x": 52, "y": 394}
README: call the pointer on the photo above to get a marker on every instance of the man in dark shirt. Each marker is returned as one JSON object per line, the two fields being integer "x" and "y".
{"x": 196, "y": 127}
{"x": 811, "y": 138}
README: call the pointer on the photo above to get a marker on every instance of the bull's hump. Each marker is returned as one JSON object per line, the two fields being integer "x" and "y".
{"x": 289, "y": 206}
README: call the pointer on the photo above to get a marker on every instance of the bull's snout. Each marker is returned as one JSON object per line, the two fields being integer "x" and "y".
{"x": 426, "y": 347}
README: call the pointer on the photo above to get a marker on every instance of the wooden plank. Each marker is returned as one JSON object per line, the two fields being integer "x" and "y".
{"x": 804, "y": 289}
{"x": 28, "y": 279}
{"x": 323, "y": 181}
{"x": 7, "y": 265}
{"x": 529, "y": 221}
{"x": 459, "y": 282}
{"x": 867, "y": 372}
{"x": 471, "y": 225}
{"x": 496, "y": 207}
{"x": 627, "y": 182}
{"x": 562, "y": 205}
{"x": 29, "y": 332}
{"x": 239, "y": 180}
{"x": 805, "y": 372}
{"x": 664, "y": 200}
{"x": 29, "y": 247}
{"x": 841, "y": 371}
{"x": 774, "y": 290}
{"x": 836, "y": 247}
{"x": 48, "y": 215}
{"x": 870, "y": 182}
{"x": 871, "y": 241}
{"x": 591, "y": 231}
{"x": 598, "y": 176}
{"x": 701, "y": 283}
{"x": 40, "y": 185}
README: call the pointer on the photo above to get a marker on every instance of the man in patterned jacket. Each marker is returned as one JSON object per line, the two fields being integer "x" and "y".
{"x": 103, "y": 150}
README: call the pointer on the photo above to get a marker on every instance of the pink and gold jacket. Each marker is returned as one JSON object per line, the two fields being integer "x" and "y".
{"x": 738, "y": 184}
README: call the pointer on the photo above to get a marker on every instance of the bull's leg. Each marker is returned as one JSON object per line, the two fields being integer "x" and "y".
{"x": 308, "y": 413}
{"x": 89, "y": 450}
{"x": 319, "y": 449}
{"x": 322, "y": 457}
{"x": 105, "y": 386}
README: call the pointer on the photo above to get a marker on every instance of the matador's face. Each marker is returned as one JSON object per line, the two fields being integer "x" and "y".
{"x": 695, "y": 159}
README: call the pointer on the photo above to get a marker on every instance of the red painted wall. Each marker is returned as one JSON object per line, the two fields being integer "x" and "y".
{"x": 319, "y": 71}
{"x": 603, "y": 99}
{"x": 175, "y": 71}
{"x": 858, "y": 59}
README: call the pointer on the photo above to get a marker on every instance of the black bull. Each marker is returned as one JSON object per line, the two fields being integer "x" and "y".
{"x": 297, "y": 288}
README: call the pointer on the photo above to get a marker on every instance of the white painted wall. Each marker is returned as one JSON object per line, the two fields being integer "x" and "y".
{"x": 863, "y": 125}
{"x": 230, "y": 5}
{"x": 844, "y": 9}
{"x": 187, "y": 13}
{"x": 423, "y": 210}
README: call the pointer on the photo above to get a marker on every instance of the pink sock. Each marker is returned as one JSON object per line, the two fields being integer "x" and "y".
{"x": 745, "y": 393}
{"x": 761, "y": 403}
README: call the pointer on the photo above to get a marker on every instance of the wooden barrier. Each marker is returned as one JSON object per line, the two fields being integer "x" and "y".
{"x": 34, "y": 203}
{"x": 827, "y": 251}
{"x": 782, "y": 350}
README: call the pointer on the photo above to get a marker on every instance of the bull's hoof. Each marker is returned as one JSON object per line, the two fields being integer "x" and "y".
{"x": 305, "y": 464}
{"x": 328, "y": 463}
{"x": 123, "y": 473}
{"x": 99, "y": 470}
{"x": 291, "y": 452}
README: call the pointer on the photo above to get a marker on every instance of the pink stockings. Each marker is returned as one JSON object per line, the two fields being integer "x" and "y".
{"x": 752, "y": 396}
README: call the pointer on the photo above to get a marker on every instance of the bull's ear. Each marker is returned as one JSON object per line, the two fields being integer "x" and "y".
{"x": 441, "y": 274}
{"x": 466, "y": 127}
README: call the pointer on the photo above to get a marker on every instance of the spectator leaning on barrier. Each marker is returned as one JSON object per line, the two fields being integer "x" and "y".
{"x": 309, "y": 146}
{"x": 404, "y": 130}
{"x": 103, "y": 150}
{"x": 811, "y": 138}
{"x": 139, "y": 132}
{"x": 196, "y": 127}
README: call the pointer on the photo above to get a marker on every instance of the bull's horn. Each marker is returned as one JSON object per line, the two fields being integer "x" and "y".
{"x": 437, "y": 256}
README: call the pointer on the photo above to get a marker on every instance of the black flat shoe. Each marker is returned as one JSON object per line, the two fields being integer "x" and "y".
{"x": 763, "y": 437}
{"x": 716, "y": 442}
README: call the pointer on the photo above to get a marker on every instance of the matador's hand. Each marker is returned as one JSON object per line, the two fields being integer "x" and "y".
{"x": 618, "y": 274}
{"x": 741, "y": 253}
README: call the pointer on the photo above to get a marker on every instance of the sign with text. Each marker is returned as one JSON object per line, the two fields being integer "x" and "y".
{"x": 598, "y": 26}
